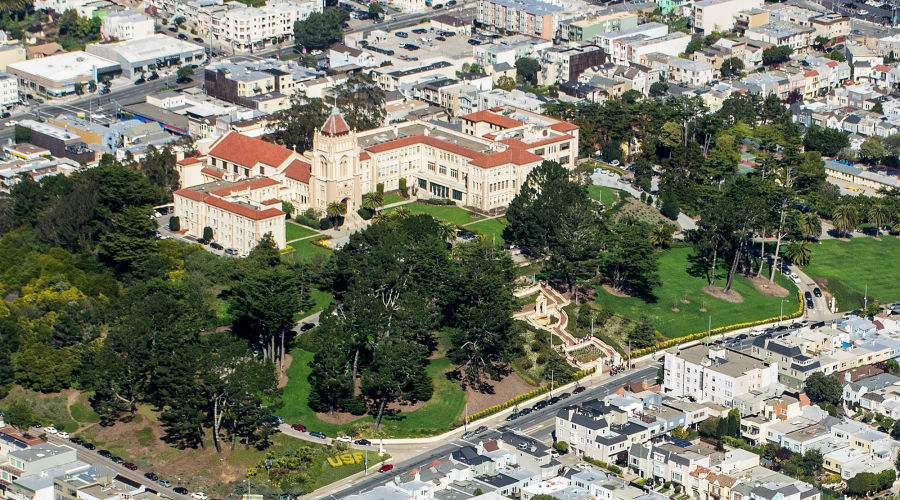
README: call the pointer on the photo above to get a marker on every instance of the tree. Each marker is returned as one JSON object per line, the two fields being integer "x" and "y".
{"x": 810, "y": 225}
{"x": 892, "y": 366}
{"x": 373, "y": 200}
{"x": 375, "y": 9}
{"x": 845, "y": 218}
{"x": 397, "y": 372}
{"x": 872, "y": 150}
{"x": 643, "y": 334}
{"x": 22, "y": 134}
{"x": 775, "y": 55}
{"x": 159, "y": 168}
{"x": 799, "y": 253}
{"x": 561, "y": 446}
{"x": 320, "y": 30}
{"x": 827, "y": 141}
{"x": 506, "y": 83}
{"x": 294, "y": 127}
{"x": 480, "y": 307}
{"x": 178, "y": 21}
{"x": 20, "y": 413}
{"x": 731, "y": 67}
{"x": 330, "y": 379}
{"x": 288, "y": 208}
{"x": 877, "y": 108}
{"x": 527, "y": 69}
{"x": 361, "y": 101}
{"x": 207, "y": 233}
{"x": 335, "y": 210}
{"x": 630, "y": 263}
{"x": 822, "y": 387}
{"x": 185, "y": 73}
{"x": 174, "y": 223}
{"x": 836, "y": 55}
{"x": 661, "y": 235}
{"x": 658, "y": 88}
{"x": 880, "y": 214}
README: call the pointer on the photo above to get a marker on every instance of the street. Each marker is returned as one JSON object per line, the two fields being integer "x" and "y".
{"x": 538, "y": 424}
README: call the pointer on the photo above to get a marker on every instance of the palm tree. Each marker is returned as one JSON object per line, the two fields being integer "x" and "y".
{"x": 446, "y": 230}
{"x": 661, "y": 236}
{"x": 334, "y": 210}
{"x": 844, "y": 218}
{"x": 799, "y": 253}
{"x": 394, "y": 213}
{"x": 879, "y": 215}
{"x": 810, "y": 225}
{"x": 373, "y": 201}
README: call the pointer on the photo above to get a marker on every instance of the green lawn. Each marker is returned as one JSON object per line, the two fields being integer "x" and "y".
{"x": 293, "y": 231}
{"x": 491, "y": 228}
{"x": 450, "y": 213}
{"x": 391, "y": 198}
{"x": 304, "y": 249}
{"x": 852, "y": 266}
{"x": 83, "y": 414}
{"x": 678, "y": 284}
{"x": 436, "y": 416}
{"x": 607, "y": 196}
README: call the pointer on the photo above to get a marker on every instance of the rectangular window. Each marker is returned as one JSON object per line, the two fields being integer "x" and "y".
{"x": 262, "y": 170}
{"x": 431, "y": 166}
{"x": 457, "y": 195}
{"x": 442, "y": 170}
{"x": 564, "y": 146}
{"x": 563, "y": 160}
{"x": 539, "y": 151}
{"x": 454, "y": 173}
{"x": 423, "y": 183}
{"x": 235, "y": 168}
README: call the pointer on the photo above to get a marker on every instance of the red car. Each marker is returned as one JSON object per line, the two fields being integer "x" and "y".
{"x": 299, "y": 427}
{"x": 578, "y": 390}
{"x": 385, "y": 468}
{"x": 129, "y": 466}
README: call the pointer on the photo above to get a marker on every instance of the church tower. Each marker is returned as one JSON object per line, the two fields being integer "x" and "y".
{"x": 335, "y": 174}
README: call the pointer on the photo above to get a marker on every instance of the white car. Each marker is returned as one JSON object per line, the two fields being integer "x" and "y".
{"x": 614, "y": 163}
{"x": 50, "y": 430}
{"x": 64, "y": 435}
{"x": 795, "y": 278}
{"x": 199, "y": 495}
{"x": 12, "y": 123}
{"x": 344, "y": 439}
{"x": 611, "y": 173}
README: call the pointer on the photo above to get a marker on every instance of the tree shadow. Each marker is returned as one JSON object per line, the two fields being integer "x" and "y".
{"x": 697, "y": 266}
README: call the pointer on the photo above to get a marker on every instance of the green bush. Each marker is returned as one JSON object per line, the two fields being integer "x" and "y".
{"x": 309, "y": 218}
{"x": 365, "y": 213}
{"x": 174, "y": 223}
{"x": 207, "y": 233}
{"x": 355, "y": 405}
{"x": 325, "y": 223}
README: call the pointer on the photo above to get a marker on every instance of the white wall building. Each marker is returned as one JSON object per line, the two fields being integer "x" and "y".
{"x": 719, "y": 15}
{"x": 716, "y": 375}
{"x": 246, "y": 26}
{"x": 59, "y": 5}
{"x": 9, "y": 89}
{"x": 126, "y": 25}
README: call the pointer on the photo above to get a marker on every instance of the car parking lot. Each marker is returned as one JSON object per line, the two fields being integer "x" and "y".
{"x": 422, "y": 43}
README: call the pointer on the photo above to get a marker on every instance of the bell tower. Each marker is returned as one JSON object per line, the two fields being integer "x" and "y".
{"x": 335, "y": 172}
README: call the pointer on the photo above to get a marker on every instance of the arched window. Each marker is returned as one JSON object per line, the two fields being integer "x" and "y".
{"x": 324, "y": 170}
{"x": 344, "y": 167}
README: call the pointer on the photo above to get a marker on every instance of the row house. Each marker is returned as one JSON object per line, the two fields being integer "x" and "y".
{"x": 715, "y": 374}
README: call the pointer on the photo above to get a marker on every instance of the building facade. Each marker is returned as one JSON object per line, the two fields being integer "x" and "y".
{"x": 717, "y": 375}
{"x": 248, "y": 27}
{"x": 126, "y": 26}
{"x": 526, "y": 17}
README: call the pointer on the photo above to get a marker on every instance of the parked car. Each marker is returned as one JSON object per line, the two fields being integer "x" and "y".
{"x": 344, "y": 439}
{"x": 50, "y": 430}
{"x": 817, "y": 292}
{"x": 173, "y": 29}
{"x": 540, "y": 405}
{"x": 467, "y": 435}
{"x": 809, "y": 304}
{"x": 363, "y": 442}
{"x": 75, "y": 440}
{"x": 165, "y": 483}
{"x": 182, "y": 36}
{"x": 63, "y": 435}
{"x": 402, "y": 34}
{"x": 199, "y": 495}
{"x": 305, "y": 327}
{"x": 181, "y": 490}
{"x": 512, "y": 416}
{"x": 198, "y": 39}
{"x": 89, "y": 446}
{"x": 299, "y": 427}
{"x": 216, "y": 246}
{"x": 420, "y": 31}
{"x": 440, "y": 38}
{"x": 565, "y": 395}
{"x": 129, "y": 466}
{"x": 525, "y": 411}
{"x": 807, "y": 294}
{"x": 117, "y": 459}
{"x": 578, "y": 390}
{"x": 386, "y": 468}
{"x": 151, "y": 476}
{"x": 481, "y": 429}
{"x": 554, "y": 400}
{"x": 317, "y": 434}
{"x": 104, "y": 453}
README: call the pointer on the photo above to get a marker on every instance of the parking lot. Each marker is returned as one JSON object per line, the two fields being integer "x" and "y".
{"x": 428, "y": 44}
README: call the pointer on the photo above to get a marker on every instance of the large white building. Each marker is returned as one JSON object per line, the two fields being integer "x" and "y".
{"x": 140, "y": 55}
{"x": 715, "y": 374}
{"x": 59, "y": 5}
{"x": 719, "y": 15}
{"x": 258, "y": 26}
{"x": 126, "y": 25}
{"x": 57, "y": 75}
{"x": 9, "y": 89}
{"x": 631, "y": 49}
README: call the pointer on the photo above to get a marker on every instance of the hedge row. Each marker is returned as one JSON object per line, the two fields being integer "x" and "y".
{"x": 715, "y": 331}
{"x": 522, "y": 397}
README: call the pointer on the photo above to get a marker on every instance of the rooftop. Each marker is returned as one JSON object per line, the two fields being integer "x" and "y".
{"x": 67, "y": 67}
{"x": 734, "y": 363}
{"x": 535, "y": 7}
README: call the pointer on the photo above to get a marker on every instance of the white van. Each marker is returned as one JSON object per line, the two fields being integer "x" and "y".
{"x": 757, "y": 330}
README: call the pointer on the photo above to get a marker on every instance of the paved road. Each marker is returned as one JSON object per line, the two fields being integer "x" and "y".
{"x": 538, "y": 424}
{"x": 137, "y": 476}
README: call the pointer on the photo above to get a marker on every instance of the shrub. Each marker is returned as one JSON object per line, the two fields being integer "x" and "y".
{"x": 365, "y": 213}
{"x": 207, "y": 233}
{"x": 325, "y": 223}
{"x": 541, "y": 359}
{"x": 401, "y": 185}
{"x": 174, "y": 223}
{"x": 437, "y": 201}
{"x": 561, "y": 446}
{"x": 670, "y": 208}
{"x": 309, "y": 218}
{"x": 354, "y": 405}
{"x": 379, "y": 187}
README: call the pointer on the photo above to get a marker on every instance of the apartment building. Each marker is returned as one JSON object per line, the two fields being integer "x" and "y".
{"x": 678, "y": 70}
{"x": 719, "y": 15}
{"x": 779, "y": 33}
{"x": 831, "y": 25}
{"x": 257, "y": 27}
{"x": 126, "y": 26}
{"x": 646, "y": 31}
{"x": 633, "y": 48}
{"x": 9, "y": 89}
{"x": 587, "y": 27}
{"x": 266, "y": 85}
{"x": 715, "y": 374}
{"x": 527, "y": 17}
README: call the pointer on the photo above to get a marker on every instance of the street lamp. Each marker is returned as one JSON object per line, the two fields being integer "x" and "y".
{"x": 781, "y": 313}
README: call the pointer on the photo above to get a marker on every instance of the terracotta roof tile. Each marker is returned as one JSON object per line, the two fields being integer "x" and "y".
{"x": 512, "y": 155}
{"x": 272, "y": 201}
{"x": 364, "y": 156}
{"x": 214, "y": 173}
{"x": 810, "y": 73}
{"x": 335, "y": 125}
{"x": 298, "y": 170}
{"x": 191, "y": 194}
{"x": 251, "y": 184}
{"x": 493, "y": 118}
{"x": 190, "y": 160}
{"x": 422, "y": 139}
{"x": 882, "y": 67}
{"x": 243, "y": 210}
{"x": 550, "y": 140}
{"x": 564, "y": 127}
{"x": 248, "y": 151}
{"x": 491, "y": 445}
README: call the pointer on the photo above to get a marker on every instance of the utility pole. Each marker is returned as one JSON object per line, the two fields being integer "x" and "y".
{"x": 866, "y": 297}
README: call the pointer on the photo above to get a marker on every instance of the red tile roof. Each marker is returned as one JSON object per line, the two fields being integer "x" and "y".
{"x": 248, "y": 151}
{"x": 563, "y": 127}
{"x": 493, "y": 118}
{"x": 240, "y": 186}
{"x": 810, "y": 73}
{"x": 190, "y": 160}
{"x": 831, "y": 64}
{"x": 273, "y": 201}
{"x": 191, "y": 194}
{"x": 364, "y": 156}
{"x": 214, "y": 173}
{"x": 550, "y": 140}
{"x": 491, "y": 445}
{"x": 298, "y": 170}
{"x": 512, "y": 155}
{"x": 15, "y": 434}
{"x": 335, "y": 125}
{"x": 422, "y": 139}
{"x": 243, "y": 210}
{"x": 882, "y": 67}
